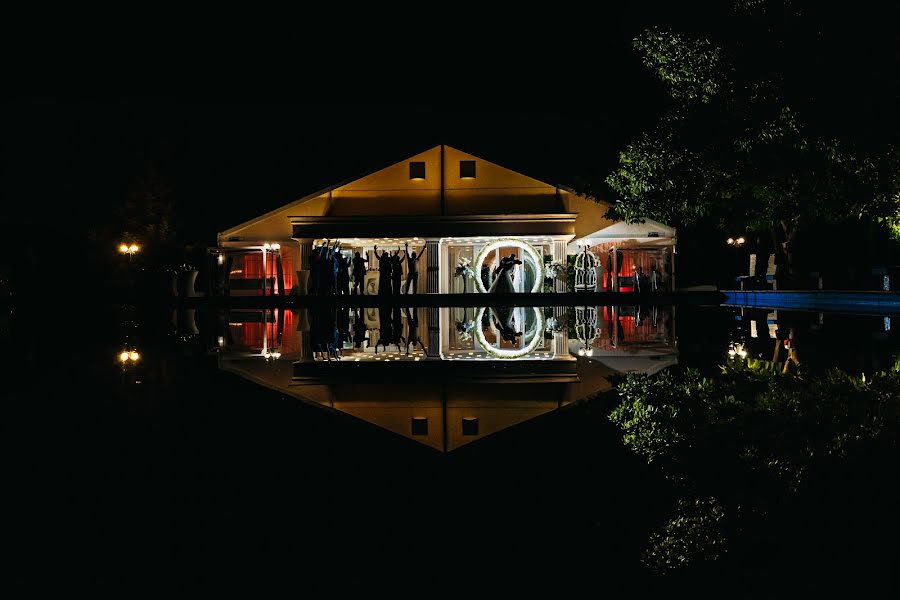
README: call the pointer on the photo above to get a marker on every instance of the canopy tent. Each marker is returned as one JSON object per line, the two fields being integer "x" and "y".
{"x": 648, "y": 233}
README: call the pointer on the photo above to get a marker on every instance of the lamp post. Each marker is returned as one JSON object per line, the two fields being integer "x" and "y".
{"x": 129, "y": 249}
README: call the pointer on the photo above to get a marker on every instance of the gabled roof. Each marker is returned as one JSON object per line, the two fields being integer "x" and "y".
{"x": 349, "y": 182}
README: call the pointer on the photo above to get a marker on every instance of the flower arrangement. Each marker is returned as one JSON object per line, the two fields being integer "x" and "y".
{"x": 464, "y": 268}
{"x": 554, "y": 269}
{"x": 464, "y": 330}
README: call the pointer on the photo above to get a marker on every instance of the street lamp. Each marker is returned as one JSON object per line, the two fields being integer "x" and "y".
{"x": 129, "y": 249}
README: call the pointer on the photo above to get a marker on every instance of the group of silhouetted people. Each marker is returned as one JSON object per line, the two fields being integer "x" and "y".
{"x": 390, "y": 271}
{"x": 649, "y": 282}
{"x": 331, "y": 328}
{"x": 330, "y": 271}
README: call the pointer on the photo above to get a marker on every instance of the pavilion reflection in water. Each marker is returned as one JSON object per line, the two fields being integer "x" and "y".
{"x": 442, "y": 376}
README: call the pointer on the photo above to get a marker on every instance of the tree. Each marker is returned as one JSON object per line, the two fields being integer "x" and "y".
{"x": 734, "y": 150}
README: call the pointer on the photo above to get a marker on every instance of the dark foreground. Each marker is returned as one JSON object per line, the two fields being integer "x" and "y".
{"x": 196, "y": 470}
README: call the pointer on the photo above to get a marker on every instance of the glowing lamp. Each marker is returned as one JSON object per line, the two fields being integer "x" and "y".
{"x": 133, "y": 355}
{"x": 123, "y": 248}
{"x": 133, "y": 248}
{"x": 729, "y": 241}
{"x": 124, "y": 356}
{"x": 740, "y": 241}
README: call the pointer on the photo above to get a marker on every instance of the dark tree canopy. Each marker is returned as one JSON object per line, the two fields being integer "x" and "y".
{"x": 735, "y": 148}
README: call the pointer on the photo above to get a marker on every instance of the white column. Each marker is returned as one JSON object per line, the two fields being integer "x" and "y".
{"x": 560, "y": 256}
{"x": 433, "y": 256}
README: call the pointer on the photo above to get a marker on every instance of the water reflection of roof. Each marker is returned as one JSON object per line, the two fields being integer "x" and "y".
{"x": 394, "y": 395}
{"x": 433, "y": 369}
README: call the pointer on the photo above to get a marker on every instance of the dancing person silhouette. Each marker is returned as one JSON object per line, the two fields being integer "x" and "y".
{"x": 396, "y": 271}
{"x": 385, "y": 266}
{"x": 412, "y": 263}
{"x": 359, "y": 273}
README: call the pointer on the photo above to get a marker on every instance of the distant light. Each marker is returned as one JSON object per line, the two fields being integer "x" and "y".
{"x": 590, "y": 352}
{"x": 123, "y": 248}
{"x": 740, "y": 241}
{"x": 221, "y": 259}
{"x": 124, "y": 356}
{"x": 729, "y": 241}
{"x": 134, "y": 355}
{"x": 133, "y": 248}
{"x": 266, "y": 246}
{"x": 276, "y": 246}
{"x": 581, "y": 352}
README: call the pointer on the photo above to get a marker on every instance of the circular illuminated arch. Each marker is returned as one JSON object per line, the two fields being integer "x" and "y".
{"x": 537, "y": 336}
{"x": 530, "y": 250}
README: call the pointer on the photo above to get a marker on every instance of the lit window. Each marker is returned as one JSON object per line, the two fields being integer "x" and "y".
{"x": 417, "y": 170}
{"x": 419, "y": 426}
{"x": 470, "y": 426}
{"x": 467, "y": 169}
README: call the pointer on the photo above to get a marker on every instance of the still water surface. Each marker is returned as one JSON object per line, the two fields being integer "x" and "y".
{"x": 202, "y": 434}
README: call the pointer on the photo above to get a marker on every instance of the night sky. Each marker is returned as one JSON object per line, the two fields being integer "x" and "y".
{"x": 559, "y": 111}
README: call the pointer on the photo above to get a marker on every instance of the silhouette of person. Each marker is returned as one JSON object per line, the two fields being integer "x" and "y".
{"x": 504, "y": 322}
{"x": 638, "y": 279}
{"x": 412, "y": 327}
{"x": 609, "y": 268}
{"x": 654, "y": 279}
{"x": 396, "y": 271}
{"x": 359, "y": 273}
{"x": 342, "y": 280}
{"x": 412, "y": 275}
{"x": 384, "y": 272}
{"x": 327, "y": 281}
{"x": 503, "y": 284}
{"x": 359, "y": 329}
{"x": 316, "y": 258}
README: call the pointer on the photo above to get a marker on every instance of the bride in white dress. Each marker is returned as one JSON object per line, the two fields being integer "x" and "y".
{"x": 503, "y": 283}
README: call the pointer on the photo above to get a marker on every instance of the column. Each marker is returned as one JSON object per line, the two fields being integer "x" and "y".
{"x": 434, "y": 330}
{"x": 560, "y": 256}
{"x": 303, "y": 271}
{"x": 561, "y": 343}
{"x": 279, "y": 273}
{"x": 433, "y": 271}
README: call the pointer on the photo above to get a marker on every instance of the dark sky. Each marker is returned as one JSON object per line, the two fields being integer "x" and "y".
{"x": 554, "y": 108}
